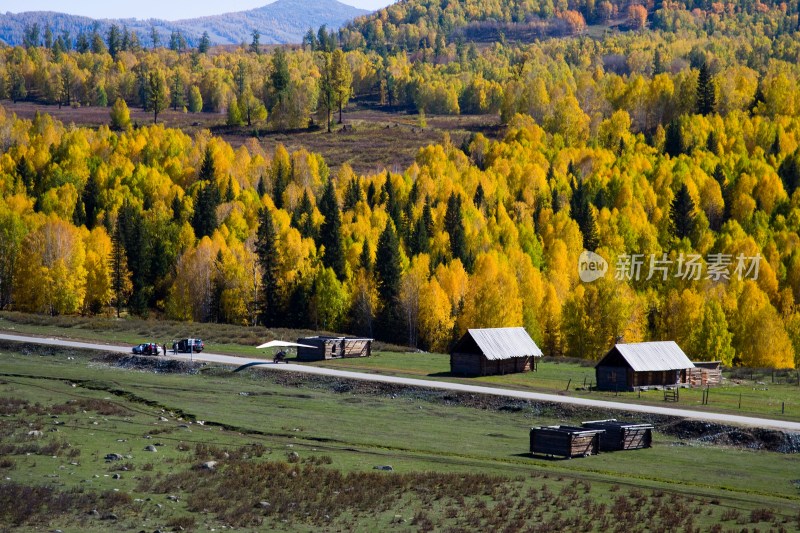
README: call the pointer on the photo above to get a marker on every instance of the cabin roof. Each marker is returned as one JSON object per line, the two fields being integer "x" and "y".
{"x": 498, "y": 343}
{"x": 651, "y": 356}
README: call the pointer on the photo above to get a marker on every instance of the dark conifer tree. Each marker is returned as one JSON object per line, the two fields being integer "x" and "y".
{"x": 682, "y": 213}
{"x": 119, "y": 268}
{"x": 205, "y": 43}
{"x": 205, "y": 221}
{"x": 789, "y": 172}
{"x": 454, "y": 226}
{"x": 302, "y": 217}
{"x": 419, "y": 241}
{"x": 658, "y": 62}
{"x": 82, "y": 43}
{"x": 177, "y": 209}
{"x": 330, "y": 233}
{"x": 582, "y": 213}
{"x": 352, "y": 194}
{"x": 282, "y": 175}
{"x": 138, "y": 253}
{"x": 366, "y": 256}
{"x": 230, "y": 192}
{"x": 427, "y": 216}
{"x": 706, "y": 92}
{"x": 79, "y": 213}
{"x": 393, "y": 206}
{"x": 91, "y": 200}
{"x": 480, "y": 197}
{"x": 261, "y": 188}
{"x": 388, "y": 271}
{"x": 269, "y": 260}
{"x": 673, "y": 139}
{"x": 114, "y": 41}
{"x": 207, "y": 168}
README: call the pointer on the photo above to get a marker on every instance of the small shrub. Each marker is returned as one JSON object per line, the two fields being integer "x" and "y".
{"x": 730, "y": 515}
{"x": 182, "y": 523}
{"x": 761, "y": 515}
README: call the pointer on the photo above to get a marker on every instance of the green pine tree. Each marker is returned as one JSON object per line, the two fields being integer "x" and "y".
{"x": 270, "y": 261}
{"x": 454, "y": 226}
{"x": 330, "y": 233}
{"x": 706, "y": 95}
{"x": 682, "y": 213}
{"x": 673, "y": 139}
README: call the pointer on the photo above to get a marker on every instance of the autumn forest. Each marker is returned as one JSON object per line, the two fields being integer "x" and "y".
{"x": 667, "y": 129}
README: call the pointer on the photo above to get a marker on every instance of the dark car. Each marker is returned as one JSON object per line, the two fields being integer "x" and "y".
{"x": 188, "y": 346}
{"x": 147, "y": 348}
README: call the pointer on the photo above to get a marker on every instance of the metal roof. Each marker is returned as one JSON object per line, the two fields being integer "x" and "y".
{"x": 283, "y": 344}
{"x": 504, "y": 343}
{"x": 654, "y": 356}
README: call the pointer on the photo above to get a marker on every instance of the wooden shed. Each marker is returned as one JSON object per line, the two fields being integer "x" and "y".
{"x": 333, "y": 347}
{"x": 565, "y": 441}
{"x": 706, "y": 374}
{"x": 643, "y": 365}
{"x": 621, "y": 435}
{"x": 484, "y": 352}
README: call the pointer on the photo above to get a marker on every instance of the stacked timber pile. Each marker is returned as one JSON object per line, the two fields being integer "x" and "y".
{"x": 706, "y": 374}
{"x": 621, "y": 435}
{"x": 565, "y": 441}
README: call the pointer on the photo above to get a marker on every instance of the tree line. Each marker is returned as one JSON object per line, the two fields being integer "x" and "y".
{"x": 481, "y": 234}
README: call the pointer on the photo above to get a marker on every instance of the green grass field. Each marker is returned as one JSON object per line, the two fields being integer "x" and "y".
{"x": 745, "y": 392}
{"x": 454, "y": 467}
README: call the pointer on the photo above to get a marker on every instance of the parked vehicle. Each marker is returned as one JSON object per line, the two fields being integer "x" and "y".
{"x": 188, "y": 346}
{"x": 147, "y": 348}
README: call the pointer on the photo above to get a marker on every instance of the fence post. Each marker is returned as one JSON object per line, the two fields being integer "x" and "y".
{"x": 740, "y": 400}
{"x": 783, "y": 407}
{"x": 568, "y": 383}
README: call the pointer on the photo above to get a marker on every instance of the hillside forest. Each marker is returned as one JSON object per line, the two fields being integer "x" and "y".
{"x": 670, "y": 130}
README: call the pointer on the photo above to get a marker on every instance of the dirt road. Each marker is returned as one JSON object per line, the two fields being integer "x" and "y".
{"x": 720, "y": 418}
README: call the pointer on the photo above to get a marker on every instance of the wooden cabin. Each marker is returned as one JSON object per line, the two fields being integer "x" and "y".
{"x": 643, "y": 365}
{"x": 621, "y": 435}
{"x": 706, "y": 374}
{"x": 333, "y": 348}
{"x": 484, "y": 352}
{"x": 565, "y": 441}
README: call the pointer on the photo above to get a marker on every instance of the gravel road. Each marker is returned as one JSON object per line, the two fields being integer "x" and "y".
{"x": 720, "y": 418}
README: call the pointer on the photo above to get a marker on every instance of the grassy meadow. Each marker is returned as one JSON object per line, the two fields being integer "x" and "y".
{"x": 294, "y": 455}
{"x": 754, "y": 392}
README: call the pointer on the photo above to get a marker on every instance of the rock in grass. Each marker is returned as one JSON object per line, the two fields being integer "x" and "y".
{"x": 114, "y": 457}
{"x": 35, "y": 434}
{"x": 116, "y": 476}
{"x": 209, "y": 465}
{"x": 387, "y": 468}
{"x": 150, "y": 448}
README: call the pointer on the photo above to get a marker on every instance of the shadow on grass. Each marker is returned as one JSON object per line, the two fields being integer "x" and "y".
{"x": 528, "y": 455}
{"x": 445, "y": 375}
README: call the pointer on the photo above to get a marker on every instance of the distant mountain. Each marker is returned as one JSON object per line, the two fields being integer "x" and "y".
{"x": 283, "y": 21}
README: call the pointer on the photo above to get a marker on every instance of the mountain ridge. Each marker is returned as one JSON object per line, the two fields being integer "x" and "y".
{"x": 280, "y": 22}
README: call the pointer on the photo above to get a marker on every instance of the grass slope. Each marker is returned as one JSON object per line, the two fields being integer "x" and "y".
{"x": 308, "y": 453}
{"x": 745, "y": 392}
